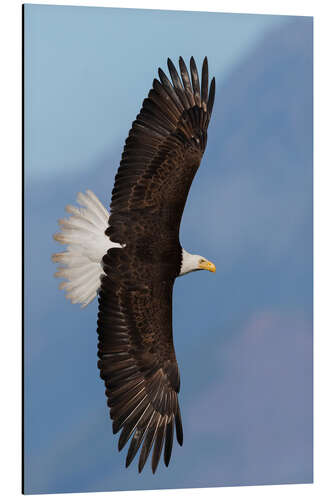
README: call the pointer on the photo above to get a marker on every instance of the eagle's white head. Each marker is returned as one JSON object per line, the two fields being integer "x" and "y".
{"x": 195, "y": 263}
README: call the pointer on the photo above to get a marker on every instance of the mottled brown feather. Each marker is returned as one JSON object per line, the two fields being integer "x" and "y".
{"x": 135, "y": 343}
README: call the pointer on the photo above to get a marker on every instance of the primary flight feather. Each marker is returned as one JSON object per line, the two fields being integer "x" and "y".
{"x": 131, "y": 257}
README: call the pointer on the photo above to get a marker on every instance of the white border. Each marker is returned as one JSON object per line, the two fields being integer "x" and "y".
{"x": 282, "y": 7}
{"x": 10, "y": 365}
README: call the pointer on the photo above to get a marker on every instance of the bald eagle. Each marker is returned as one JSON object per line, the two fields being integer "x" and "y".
{"x": 131, "y": 257}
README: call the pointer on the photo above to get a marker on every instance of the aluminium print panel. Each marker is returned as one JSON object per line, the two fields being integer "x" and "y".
{"x": 116, "y": 206}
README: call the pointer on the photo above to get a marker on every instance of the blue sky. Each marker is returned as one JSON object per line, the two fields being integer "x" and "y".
{"x": 243, "y": 336}
{"x": 89, "y": 70}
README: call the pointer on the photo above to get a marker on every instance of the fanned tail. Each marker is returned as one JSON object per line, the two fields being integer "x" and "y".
{"x": 80, "y": 264}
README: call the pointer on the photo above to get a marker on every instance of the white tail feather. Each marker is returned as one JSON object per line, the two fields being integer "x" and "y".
{"x": 84, "y": 233}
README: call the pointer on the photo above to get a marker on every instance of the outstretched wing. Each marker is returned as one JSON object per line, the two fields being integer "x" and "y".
{"x": 164, "y": 148}
{"x": 138, "y": 365}
{"x": 137, "y": 359}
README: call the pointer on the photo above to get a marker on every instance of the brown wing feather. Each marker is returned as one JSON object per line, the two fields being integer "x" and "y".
{"x": 137, "y": 360}
{"x": 138, "y": 364}
{"x": 166, "y": 142}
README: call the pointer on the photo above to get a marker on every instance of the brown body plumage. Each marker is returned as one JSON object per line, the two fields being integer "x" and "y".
{"x": 137, "y": 358}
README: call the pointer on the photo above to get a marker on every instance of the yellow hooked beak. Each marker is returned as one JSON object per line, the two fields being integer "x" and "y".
{"x": 208, "y": 266}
